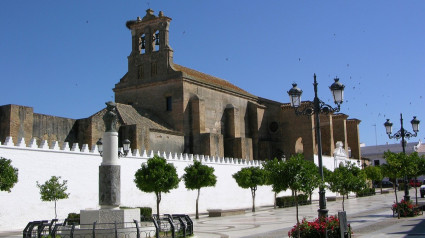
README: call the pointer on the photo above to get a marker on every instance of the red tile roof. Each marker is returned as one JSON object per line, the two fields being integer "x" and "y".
{"x": 210, "y": 80}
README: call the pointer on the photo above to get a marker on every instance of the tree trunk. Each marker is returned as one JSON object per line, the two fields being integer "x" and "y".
{"x": 253, "y": 198}
{"x": 380, "y": 183}
{"x": 197, "y": 200}
{"x": 158, "y": 200}
{"x": 311, "y": 193}
{"x": 396, "y": 199}
{"x": 416, "y": 190}
{"x": 275, "y": 194}
{"x": 56, "y": 215}
{"x": 296, "y": 209}
{"x": 343, "y": 203}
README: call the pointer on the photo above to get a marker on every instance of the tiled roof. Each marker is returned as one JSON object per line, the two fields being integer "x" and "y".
{"x": 210, "y": 80}
{"x": 131, "y": 116}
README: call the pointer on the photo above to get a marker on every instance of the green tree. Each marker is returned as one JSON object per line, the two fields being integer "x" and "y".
{"x": 271, "y": 166}
{"x": 374, "y": 173}
{"x": 156, "y": 176}
{"x": 251, "y": 178}
{"x": 198, "y": 176}
{"x": 297, "y": 174}
{"x": 53, "y": 190}
{"x": 313, "y": 177}
{"x": 393, "y": 168}
{"x": 417, "y": 163}
{"x": 8, "y": 175}
{"x": 345, "y": 179}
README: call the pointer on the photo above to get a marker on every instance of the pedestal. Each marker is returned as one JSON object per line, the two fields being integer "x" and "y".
{"x": 109, "y": 186}
{"x": 120, "y": 216}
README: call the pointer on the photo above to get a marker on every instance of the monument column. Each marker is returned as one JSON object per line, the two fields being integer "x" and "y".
{"x": 109, "y": 180}
{"x": 109, "y": 170}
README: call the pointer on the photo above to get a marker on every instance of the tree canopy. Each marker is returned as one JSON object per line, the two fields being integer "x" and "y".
{"x": 197, "y": 176}
{"x": 53, "y": 190}
{"x": 157, "y": 176}
{"x": 345, "y": 179}
{"x": 297, "y": 174}
{"x": 8, "y": 175}
{"x": 251, "y": 178}
{"x": 374, "y": 173}
{"x": 394, "y": 167}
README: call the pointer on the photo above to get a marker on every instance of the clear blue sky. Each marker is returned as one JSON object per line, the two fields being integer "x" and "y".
{"x": 64, "y": 57}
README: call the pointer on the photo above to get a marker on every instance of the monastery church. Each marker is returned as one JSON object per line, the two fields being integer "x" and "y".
{"x": 164, "y": 106}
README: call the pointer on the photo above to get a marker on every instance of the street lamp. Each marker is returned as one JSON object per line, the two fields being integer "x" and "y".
{"x": 316, "y": 107}
{"x": 125, "y": 144}
{"x": 402, "y": 133}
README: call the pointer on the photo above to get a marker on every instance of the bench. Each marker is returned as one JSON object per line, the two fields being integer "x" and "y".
{"x": 222, "y": 213}
{"x": 331, "y": 198}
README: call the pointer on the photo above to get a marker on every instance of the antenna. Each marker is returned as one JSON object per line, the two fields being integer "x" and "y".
{"x": 376, "y": 138}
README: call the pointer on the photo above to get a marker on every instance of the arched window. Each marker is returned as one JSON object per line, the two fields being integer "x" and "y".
{"x": 142, "y": 44}
{"x": 156, "y": 39}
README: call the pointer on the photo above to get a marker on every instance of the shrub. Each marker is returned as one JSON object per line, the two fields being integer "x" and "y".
{"x": 406, "y": 208}
{"x": 145, "y": 213}
{"x": 318, "y": 228}
{"x": 73, "y": 219}
{"x": 366, "y": 192}
{"x": 289, "y": 201}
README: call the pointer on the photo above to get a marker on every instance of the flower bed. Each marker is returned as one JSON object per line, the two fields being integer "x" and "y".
{"x": 318, "y": 228}
{"x": 406, "y": 209}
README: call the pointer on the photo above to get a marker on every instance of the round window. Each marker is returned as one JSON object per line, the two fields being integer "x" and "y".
{"x": 274, "y": 126}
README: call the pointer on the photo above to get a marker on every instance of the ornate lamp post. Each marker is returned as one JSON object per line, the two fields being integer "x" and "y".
{"x": 316, "y": 107}
{"x": 402, "y": 133}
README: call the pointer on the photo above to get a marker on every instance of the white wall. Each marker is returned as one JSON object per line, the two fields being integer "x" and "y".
{"x": 23, "y": 204}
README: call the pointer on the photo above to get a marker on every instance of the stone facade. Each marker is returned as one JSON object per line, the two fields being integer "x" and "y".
{"x": 168, "y": 107}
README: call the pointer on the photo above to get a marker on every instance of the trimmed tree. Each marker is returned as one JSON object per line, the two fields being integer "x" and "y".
{"x": 197, "y": 176}
{"x": 271, "y": 166}
{"x": 393, "y": 168}
{"x": 416, "y": 169}
{"x": 8, "y": 175}
{"x": 297, "y": 174}
{"x": 345, "y": 179}
{"x": 157, "y": 176}
{"x": 251, "y": 178}
{"x": 374, "y": 173}
{"x": 53, "y": 190}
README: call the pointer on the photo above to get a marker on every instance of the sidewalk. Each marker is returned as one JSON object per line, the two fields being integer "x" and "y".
{"x": 368, "y": 216}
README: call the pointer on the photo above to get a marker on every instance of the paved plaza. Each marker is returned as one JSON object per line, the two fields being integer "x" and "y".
{"x": 368, "y": 216}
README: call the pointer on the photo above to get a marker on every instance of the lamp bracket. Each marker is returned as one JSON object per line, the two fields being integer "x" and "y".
{"x": 309, "y": 108}
{"x": 402, "y": 133}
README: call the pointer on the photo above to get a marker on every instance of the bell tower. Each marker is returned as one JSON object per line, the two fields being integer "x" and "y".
{"x": 151, "y": 54}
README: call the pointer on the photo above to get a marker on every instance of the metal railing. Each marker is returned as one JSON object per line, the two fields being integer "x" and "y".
{"x": 176, "y": 225}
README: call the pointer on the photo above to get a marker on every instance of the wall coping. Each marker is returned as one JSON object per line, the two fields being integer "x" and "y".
{"x": 135, "y": 154}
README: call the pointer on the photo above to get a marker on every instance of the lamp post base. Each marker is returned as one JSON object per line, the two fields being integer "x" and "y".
{"x": 323, "y": 213}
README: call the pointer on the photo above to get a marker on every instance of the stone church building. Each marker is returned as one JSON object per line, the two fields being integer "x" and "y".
{"x": 164, "y": 106}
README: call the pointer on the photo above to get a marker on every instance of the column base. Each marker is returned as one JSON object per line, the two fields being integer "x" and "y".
{"x": 120, "y": 216}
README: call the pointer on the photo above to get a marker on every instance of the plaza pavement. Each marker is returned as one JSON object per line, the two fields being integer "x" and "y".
{"x": 368, "y": 216}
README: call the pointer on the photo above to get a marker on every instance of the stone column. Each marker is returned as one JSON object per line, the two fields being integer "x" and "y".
{"x": 110, "y": 170}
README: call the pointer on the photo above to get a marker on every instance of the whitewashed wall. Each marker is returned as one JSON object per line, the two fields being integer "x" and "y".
{"x": 81, "y": 168}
